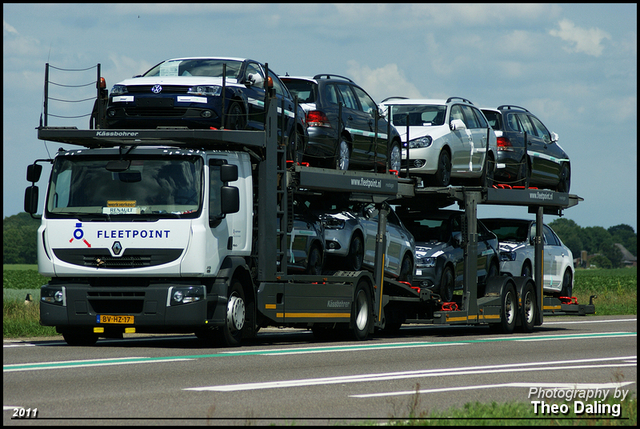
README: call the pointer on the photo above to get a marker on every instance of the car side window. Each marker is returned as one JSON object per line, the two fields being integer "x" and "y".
{"x": 348, "y": 98}
{"x": 549, "y": 237}
{"x": 278, "y": 86}
{"x": 541, "y": 129}
{"x": 470, "y": 117}
{"x": 256, "y": 72}
{"x": 331, "y": 94}
{"x": 367, "y": 104}
{"x": 482, "y": 122}
{"x": 513, "y": 123}
{"x": 456, "y": 113}
{"x": 528, "y": 127}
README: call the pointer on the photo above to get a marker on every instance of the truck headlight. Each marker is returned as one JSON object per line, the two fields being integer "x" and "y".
{"x": 53, "y": 295}
{"x": 186, "y": 295}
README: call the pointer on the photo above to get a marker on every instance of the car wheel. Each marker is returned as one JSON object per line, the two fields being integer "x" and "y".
{"x": 406, "y": 270}
{"x": 524, "y": 176}
{"x": 292, "y": 153}
{"x": 447, "y": 285}
{"x": 565, "y": 179}
{"x": 567, "y": 289}
{"x": 486, "y": 178}
{"x": 356, "y": 254}
{"x": 443, "y": 173}
{"x": 394, "y": 157}
{"x": 341, "y": 161}
{"x": 314, "y": 261}
{"x": 235, "y": 117}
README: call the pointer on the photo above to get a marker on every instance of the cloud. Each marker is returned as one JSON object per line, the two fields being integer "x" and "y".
{"x": 582, "y": 40}
{"x": 382, "y": 82}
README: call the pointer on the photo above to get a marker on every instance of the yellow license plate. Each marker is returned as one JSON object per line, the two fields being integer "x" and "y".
{"x": 121, "y": 320}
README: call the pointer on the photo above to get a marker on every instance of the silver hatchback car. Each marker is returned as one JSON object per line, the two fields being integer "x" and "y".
{"x": 350, "y": 240}
{"x": 444, "y": 140}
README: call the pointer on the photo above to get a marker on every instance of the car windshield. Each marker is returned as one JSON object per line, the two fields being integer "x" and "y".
{"x": 509, "y": 232}
{"x": 425, "y": 230}
{"x": 196, "y": 67}
{"x": 162, "y": 186}
{"x": 493, "y": 118}
{"x": 418, "y": 115}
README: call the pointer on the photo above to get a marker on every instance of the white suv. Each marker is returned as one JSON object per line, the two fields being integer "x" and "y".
{"x": 446, "y": 139}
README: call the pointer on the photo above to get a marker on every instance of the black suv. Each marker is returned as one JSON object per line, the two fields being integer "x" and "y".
{"x": 342, "y": 125}
{"x": 528, "y": 154}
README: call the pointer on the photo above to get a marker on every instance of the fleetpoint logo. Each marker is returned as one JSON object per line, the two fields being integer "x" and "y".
{"x": 78, "y": 234}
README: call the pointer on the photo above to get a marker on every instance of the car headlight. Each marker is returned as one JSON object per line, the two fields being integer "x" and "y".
{"x": 333, "y": 223}
{"x": 186, "y": 295}
{"x": 119, "y": 89}
{"x": 426, "y": 262}
{"x": 211, "y": 90}
{"x": 420, "y": 142}
{"x": 508, "y": 256}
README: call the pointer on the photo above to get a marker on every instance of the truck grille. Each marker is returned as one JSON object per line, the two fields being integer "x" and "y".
{"x": 131, "y": 258}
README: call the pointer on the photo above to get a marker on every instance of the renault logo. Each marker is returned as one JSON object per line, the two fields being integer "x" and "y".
{"x": 117, "y": 248}
{"x": 156, "y": 89}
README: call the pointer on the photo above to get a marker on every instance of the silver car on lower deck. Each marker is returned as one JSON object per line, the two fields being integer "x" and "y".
{"x": 350, "y": 239}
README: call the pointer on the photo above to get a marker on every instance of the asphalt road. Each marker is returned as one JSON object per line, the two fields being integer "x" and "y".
{"x": 287, "y": 377}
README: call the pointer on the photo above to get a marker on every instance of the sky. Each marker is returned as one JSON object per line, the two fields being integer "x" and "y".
{"x": 573, "y": 65}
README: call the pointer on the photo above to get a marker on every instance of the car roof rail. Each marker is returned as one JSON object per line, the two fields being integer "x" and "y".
{"x": 459, "y": 98}
{"x": 331, "y": 76}
{"x": 394, "y": 98}
{"x": 510, "y": 106}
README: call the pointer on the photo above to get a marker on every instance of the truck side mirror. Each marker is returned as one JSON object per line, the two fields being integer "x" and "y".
{"x": 229, "y": 199}
{"x": 33, "y": 172}
{"x": 228, "y": 173}
{"x": 31, "y": 199}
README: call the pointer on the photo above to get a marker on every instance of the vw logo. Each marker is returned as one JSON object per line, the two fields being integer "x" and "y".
{"x": 156, "y": 89}
{"x": 117, "y": 248}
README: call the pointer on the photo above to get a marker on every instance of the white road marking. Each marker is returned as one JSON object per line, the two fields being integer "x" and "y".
{"x": 526, "y": 366}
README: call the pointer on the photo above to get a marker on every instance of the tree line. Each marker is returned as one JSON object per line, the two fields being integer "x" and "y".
{"x": 20, "y": 240}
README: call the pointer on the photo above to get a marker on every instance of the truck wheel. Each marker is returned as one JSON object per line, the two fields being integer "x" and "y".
{"x": 361, "y": 314}
{"x": 509, "y": 309}
{"x": 79, "y": 337}
{"x": 231, "y": 332}
{"x": 527, "y": 311}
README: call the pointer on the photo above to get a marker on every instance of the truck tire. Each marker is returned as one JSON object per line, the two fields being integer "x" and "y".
{"x": 528, "y": 306}
{"x": 361, "y": 313}
{"x": 231, "y": 331}
{"x": 79, "y": 336}
{"x": 508, "y": 309}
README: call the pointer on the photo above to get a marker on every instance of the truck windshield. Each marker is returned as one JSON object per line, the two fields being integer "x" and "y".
{"x": 162, "y": 186}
